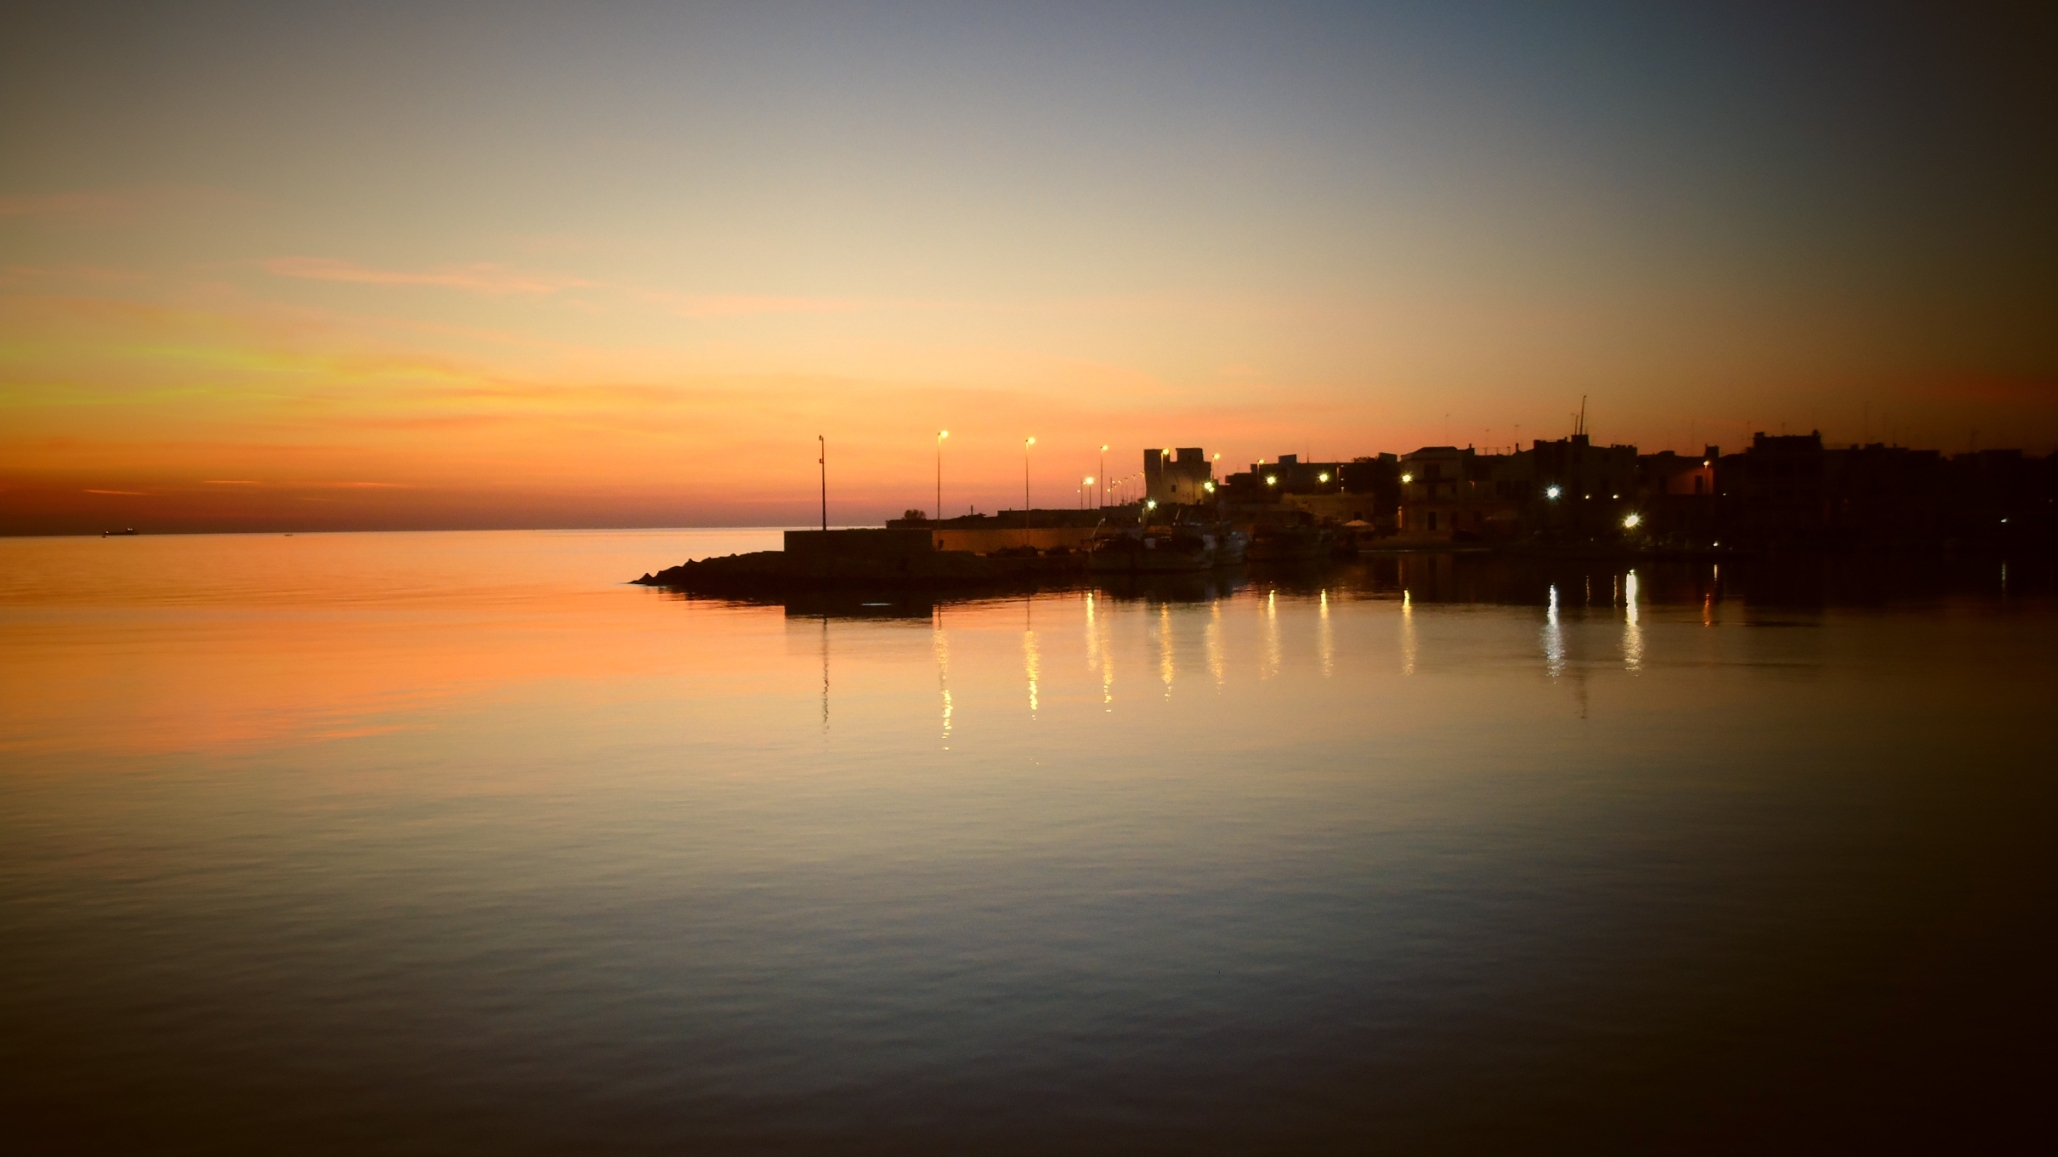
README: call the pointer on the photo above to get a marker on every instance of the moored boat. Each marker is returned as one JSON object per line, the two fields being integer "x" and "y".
{"x": 1288, "y": 544}
{"x": 1151, "y": 550}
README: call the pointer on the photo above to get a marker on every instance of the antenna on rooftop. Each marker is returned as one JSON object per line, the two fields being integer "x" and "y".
{"x": 1582, "y": 415}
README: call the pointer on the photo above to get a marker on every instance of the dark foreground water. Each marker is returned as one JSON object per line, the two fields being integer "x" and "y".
{"x": 452, "y": 843}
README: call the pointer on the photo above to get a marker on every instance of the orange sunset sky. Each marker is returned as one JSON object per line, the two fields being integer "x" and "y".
{"x": 308, "y": 266}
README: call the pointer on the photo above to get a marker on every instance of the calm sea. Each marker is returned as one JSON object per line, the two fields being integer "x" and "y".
{"x": 457, "y": 843}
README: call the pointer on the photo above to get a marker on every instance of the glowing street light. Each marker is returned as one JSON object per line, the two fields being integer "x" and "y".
{"x": 1026, "y": 443}
{"x": 1322, "y": 477}
{"x": 1631, "y": 522}
{"x": 1407, "y": 478}
{"x": 1104, "y": 473}
{"x": 1551, "y": 493}
{"x": 1271, "y": 479}
{"x": 940, "y": 436}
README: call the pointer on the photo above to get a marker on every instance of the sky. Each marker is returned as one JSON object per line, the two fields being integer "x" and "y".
{"x": 299, "y": 266}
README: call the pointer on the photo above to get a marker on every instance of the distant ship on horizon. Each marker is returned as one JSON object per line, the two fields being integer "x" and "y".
{"x": 118, "y": 533}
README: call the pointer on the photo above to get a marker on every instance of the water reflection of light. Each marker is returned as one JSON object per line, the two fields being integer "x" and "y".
{"x": 1407, "y": 633}
{"x": 1553, "y": 638}
{"x": 1327, "y": 639}
{"x": 1216, "y": 666}
{"x": 1092, "y": 635}
{"x": 941, "y": 642}
{"x": 825, "y": 673}
{"x": 1271, "y": 666}
{"x": 1165, "y": 669}
{"x": 1032, "y": 660}
{"x": 1106, "y": 653}
{"x": 1632, "y": 631}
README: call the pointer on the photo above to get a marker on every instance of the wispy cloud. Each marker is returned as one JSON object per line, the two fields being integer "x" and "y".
{"x": 482, "y": 277}
{"x": 124, "y": 493}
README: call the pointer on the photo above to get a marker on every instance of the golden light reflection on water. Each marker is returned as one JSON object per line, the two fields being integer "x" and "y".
{"x": 192, "y": 651}
{"x": 1166, "y": 668}
{"x": 1217, "y": 665}
{"x": 1327, "y": 638}
{"x": 1407, "y": 633}
{"x": 1032, "y": 659}
{"x": 539, "y": 790}
{"x": 1632, "y": 631}
{"x": 1270, "y": 611}
{"x": 940, "y": 642}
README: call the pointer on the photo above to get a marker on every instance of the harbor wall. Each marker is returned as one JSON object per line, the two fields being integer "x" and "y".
{"x": 988, "y": 540}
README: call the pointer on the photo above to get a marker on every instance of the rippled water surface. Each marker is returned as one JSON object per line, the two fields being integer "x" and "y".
{"x": 455, "y": 842}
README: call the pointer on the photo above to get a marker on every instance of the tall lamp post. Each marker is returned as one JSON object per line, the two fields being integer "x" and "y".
{"x": 940, "y": 436}
{"x": 1026, "y": 443}
{"x": 823, "y": 462}
{"x": 1102, "y": 494}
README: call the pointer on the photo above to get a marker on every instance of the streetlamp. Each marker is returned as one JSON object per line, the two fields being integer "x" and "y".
{"x": 1026, "y": 443}
{"x": 940, "y": 436}
{"x": 1102, "y": 495}
{"x": 1085, "y": 488}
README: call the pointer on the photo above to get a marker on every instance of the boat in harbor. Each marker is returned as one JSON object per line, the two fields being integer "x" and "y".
{"x": 1231, "y": 544}
{"x": 128, "y": 533}
{"x": 1151, "y": 550}
{"x": 1174, "y": 548}
{"x": 1289, "y": 544}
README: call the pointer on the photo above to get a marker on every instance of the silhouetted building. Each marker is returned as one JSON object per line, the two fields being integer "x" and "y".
{"x": 1453, "y": 495}
{"x": 1675, "y": 497}
{"x": 1780, "y": 492}
{"x": 1181, "y": 477}
{"x": 1270, "y": 482}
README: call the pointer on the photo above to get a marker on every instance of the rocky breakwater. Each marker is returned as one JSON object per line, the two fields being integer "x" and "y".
{"x": 863, "y": 558}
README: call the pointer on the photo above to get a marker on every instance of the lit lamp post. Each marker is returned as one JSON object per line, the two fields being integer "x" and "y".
{"x": 1026, "y": 443}
{"x": 940, "y": 436}
{"x": 1102, "y": 494}
{"x": 1086, "y": 488}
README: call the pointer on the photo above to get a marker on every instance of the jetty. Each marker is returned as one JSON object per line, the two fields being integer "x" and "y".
{"x": 878, "y": 558}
